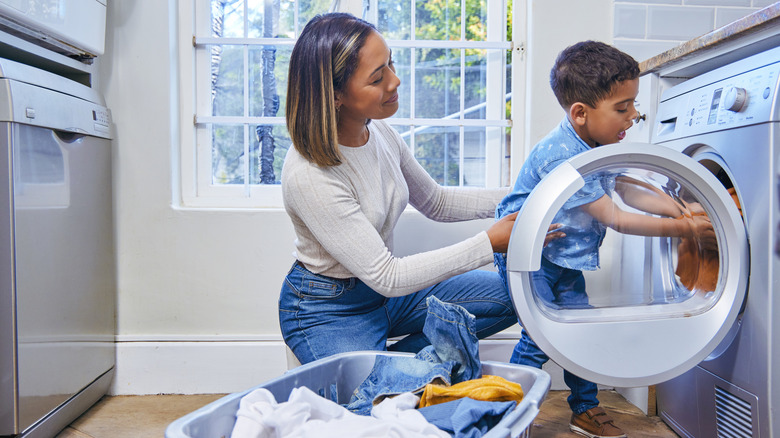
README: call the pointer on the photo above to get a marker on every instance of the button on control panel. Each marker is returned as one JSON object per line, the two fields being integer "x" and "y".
{"x": 102, "y": 116}
{"x": 102, "y": 119}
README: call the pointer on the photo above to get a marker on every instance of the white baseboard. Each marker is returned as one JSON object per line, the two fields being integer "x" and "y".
{"x": 216, "y": 365}
{"x": 195, "y": 367}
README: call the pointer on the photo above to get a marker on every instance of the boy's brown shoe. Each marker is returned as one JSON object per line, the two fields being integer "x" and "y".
{"x": 595, "y": 423}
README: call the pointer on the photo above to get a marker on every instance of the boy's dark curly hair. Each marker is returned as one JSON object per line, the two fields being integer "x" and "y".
{"x": 587, "y": 72}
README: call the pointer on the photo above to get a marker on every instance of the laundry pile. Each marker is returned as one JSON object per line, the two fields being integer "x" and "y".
{"x": 440, "y": 392}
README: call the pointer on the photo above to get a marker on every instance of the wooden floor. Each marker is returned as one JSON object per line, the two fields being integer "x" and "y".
{"x": 148, "y": 416}
{"x": 553, "y": 418}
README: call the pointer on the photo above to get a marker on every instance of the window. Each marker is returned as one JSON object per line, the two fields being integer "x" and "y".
{"x": 453, "y": 58}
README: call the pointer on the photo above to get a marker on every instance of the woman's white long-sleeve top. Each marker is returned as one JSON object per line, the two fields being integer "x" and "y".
{"x": 344, "y": 215}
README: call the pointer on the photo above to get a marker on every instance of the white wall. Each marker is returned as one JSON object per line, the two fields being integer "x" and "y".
{"x": 551, "y": 30}
{"x": 198, "y": 290}
{"x": 210, "y": 277}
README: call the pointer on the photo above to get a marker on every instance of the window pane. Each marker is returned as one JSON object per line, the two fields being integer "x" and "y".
{"x": 227, "y": 156}
{"x": 286, "y": 19}
{"x": 403, "y": 69}
{"x": 394, "y": 19}
{"x": 227, "y": 80}
{"x": 227, "y": 18}
{"x": 268, "y": 69}
{"x": 476, "y": 20}
{"x": 474, "y": 154}
{"x": 437, "y": 83}
{"x": 257, "y": 12}
{"x": 271, "y": 18}
{"x": 437, "y": 21}
{"x": 437, "y": 149}
{"x": 310, "y": 8}
{"x": 267, "y": 154}
{"x": 476, "y": 84}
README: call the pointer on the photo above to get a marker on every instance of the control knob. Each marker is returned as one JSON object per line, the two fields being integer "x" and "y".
{"x": 735, "y": 99}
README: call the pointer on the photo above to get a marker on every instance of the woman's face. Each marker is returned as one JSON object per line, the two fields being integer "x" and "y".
{"x": 371, "y": 92}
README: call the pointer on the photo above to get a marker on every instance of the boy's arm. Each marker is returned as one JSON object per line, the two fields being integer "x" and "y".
{"x": 645, "y": 197}
{"x": 610, "y": 215}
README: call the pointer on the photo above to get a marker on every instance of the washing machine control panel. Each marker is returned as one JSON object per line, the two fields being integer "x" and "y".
{"x": 739, "y": 100}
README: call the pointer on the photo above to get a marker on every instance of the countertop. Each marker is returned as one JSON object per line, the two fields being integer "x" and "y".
{"x": 761, "y": 26}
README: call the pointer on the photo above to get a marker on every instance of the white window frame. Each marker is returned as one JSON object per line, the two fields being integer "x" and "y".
{"x": 194, "y": 175}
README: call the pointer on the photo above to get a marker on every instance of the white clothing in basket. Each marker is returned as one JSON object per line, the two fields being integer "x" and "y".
{"x": 306, "y": 414}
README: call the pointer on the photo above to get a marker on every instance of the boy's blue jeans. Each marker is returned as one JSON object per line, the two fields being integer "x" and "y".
{"x": 321, "y": 316}
{"x": 564, "y": 288}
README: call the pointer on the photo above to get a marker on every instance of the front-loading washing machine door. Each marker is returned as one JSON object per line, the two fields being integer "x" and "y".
{"x": 653, "y": 307}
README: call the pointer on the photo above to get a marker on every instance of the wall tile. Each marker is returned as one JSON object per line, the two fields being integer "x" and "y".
{"x": 630, "y": 21}
{"x": 717, "y": 2}
{"x": 724, "y": 16}
{"x": 642, "y": 50}
{"x": 679, "y": 23}
{"x": 668, "y": 23}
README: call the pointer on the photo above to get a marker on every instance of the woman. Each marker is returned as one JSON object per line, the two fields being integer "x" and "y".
{"x": 345, "y": 184}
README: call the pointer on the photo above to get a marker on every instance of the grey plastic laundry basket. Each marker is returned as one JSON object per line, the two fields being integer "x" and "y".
{"x": 336, "y": 377}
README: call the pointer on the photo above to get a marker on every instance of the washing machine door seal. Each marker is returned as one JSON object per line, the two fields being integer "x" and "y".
{"x": 629, "y": 345}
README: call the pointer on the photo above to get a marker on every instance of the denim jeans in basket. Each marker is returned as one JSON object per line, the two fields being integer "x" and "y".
{"x": 321, "y": 316}
{"x": 452, "y": 357}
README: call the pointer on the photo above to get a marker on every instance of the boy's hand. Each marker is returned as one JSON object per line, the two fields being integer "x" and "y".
{"x": 700, "y": 228}
{"x": 704, "y": 233}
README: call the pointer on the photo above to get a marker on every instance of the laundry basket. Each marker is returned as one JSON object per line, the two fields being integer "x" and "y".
{"x": 336, "y": 377}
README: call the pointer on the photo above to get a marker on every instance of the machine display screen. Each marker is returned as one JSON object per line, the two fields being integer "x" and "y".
{"x": 714, "y": 106}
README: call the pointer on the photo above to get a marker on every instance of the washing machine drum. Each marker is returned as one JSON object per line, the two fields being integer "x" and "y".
{"x": 652, "y": 271}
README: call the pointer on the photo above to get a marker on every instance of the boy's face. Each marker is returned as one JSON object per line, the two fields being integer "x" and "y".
{"x": 608, "y": 122}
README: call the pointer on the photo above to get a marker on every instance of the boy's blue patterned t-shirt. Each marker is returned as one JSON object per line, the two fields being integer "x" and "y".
{"x": 584, "y": 234}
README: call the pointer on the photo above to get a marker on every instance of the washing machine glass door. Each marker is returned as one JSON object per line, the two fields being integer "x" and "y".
{"x": 651, "y": 307}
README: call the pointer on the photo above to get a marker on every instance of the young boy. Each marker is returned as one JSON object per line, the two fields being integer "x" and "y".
{"x": 596, "y": 85}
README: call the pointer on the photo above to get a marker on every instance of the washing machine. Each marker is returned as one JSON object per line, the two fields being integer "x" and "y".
{"x": 729, "y": 123}
{"x": 693, "y": 315}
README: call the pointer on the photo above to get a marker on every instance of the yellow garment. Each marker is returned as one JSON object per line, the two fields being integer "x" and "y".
{"x": 488, "y": 388}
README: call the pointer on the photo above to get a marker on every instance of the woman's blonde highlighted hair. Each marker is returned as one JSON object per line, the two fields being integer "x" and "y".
{"x": 322, "y": 61}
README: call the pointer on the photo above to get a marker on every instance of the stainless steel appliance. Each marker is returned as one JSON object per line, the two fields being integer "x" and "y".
{"x": 70, "y": 27}
{"x": 729, "y": 120}
{"x": 57, "y": 281}
{"x": 702, "y": 323}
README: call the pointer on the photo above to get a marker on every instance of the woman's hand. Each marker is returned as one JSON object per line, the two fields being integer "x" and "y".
{"x": 553, "y": 234}
{"x": 500, "y": 232}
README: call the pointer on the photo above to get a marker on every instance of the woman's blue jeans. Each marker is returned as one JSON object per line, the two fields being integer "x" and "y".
{"x": 321, "y": 316}
{"x": 566, "y": 288}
